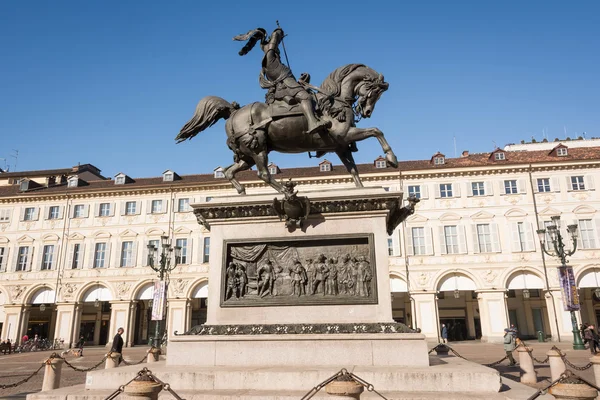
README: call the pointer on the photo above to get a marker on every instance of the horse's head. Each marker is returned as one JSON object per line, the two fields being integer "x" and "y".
{"x": 368, "y": 92}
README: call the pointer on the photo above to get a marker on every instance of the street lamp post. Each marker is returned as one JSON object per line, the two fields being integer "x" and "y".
{"x": 163, "y": 268}
{"x": 562, "y": 253}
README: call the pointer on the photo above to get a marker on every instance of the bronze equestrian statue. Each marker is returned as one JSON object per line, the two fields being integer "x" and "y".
{"x": 297, "y": 117}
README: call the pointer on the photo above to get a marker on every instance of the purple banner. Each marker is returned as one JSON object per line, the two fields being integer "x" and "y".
{"x": 568, "y": 288}
{"x": 159, "y": 300}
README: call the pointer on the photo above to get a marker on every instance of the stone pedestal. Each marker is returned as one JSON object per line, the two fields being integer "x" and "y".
{"x": 348, "y": 390}
{"x": 153, "y": 355}
{"x": 596, "y": 368}
{"x": 142, "y": 390}
{"x": 112, "y": 361}
{"x": 528, "y": 374}
{"x": 572, "y": 391}
{"x": 557, "y": 365}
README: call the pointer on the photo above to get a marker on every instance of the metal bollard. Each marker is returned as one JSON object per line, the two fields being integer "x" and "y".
{"x": 596, "y": 367}
{"x": 112, "y": 360}
{"x": 573, "y": 391}
{"x": 142, "y": 388}
{"x": 557, "y": 365}
{"x": 52, "y": 372}
{"x": 346, "y": 389}
{"x": 528, "y": 374}
{"x": 153, "y": 355}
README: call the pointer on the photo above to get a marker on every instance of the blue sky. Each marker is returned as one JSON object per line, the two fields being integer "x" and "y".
{"x": 112, "y": 82}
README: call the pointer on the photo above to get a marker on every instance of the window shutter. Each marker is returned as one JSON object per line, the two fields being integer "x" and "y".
{"x": 145, "y": 257}
{"x": 55, "y": 253}
{"x": 70, "y": 256}
{"x": 148, "y": 206}
{"x": 97, "y": 210}
{"x": 529, "y": 237}
{"x": 61, "y": 212}
{"x": 30, "y": 265}
{"x": 190, "y": 250}
{"x": 555, "y": 184}
{"x": 45, "y": 213}
{"x": 409, "y": 241}
{"x": 456, "y": 190}
{"x": 4, "y": 264}
{"x": 107, "y": 259}
{"x": 138, "y": 207}
{"x": 123, "y": 208}
{"x": 536, "y": 186}
{"x": 15, "y": 257}
{"x": 396, "y": 243}
{"x": 437, "y": 191}
{"x": 134, "y": 256}
{"x": 495, "y": 238}
{"x": 424, "y": 191}
{"x": 569, "y": 183}
{"x": 470, "y": 189}
{"x": 442, "y": 237}
{"x": 428, "y": 241}
{"x": 516, "y": 242}
{"x": 462, "y": 239}
{"x": 596, "y": 233}
{"x": 22, "y": 216}
{"x": 589, "y": 182}
{"x": 521, "y": 186}
{"x": 86, "y": 210}
{"x": 489, "y": 188}
{"x": 36, "y": 213}
{"x": 90, "y": 256}
{"x": 475, "y": 238}
{"x": 119, "y": 253}
{"x": 71, "y": 211}
{"x": 165, "y": 206}
{"x": 501, "y": 188}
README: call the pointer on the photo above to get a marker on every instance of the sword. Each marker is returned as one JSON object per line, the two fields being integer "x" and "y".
{"x": 283, "y": 45}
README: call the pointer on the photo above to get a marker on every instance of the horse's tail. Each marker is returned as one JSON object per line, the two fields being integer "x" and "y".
{"x": 208, "y": 111}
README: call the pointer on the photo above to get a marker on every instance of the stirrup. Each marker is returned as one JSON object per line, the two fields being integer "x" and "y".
{"x": 322, "y": 125}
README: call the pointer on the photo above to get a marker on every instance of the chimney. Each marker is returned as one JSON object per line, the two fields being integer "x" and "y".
{"x": 465, "y": 153}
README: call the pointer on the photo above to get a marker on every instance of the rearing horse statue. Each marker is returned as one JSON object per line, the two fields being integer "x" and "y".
{"x": 258, "y": 128}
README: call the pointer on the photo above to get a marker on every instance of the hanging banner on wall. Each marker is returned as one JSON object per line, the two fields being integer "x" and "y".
{"x": 568, "y": 288}
{"x": 159, "y": 300}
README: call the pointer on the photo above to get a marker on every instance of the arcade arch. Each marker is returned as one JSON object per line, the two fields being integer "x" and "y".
{"x": 41, "y": 318}
{"x": 458, "y": 307}
{"x": 589, "y": 294}
{"x": 144, "y": 327}
{"x": 198, "y": 303}
{"x": 526, "y": 304}
{"x": 400, "y": 300}
{"x": 95, "y": 313}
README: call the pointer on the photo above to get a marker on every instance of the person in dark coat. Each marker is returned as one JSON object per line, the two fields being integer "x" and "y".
{"x": 117, "y": 344}
{"x": 444, "y": 334}
{"x": 80, "y": 345}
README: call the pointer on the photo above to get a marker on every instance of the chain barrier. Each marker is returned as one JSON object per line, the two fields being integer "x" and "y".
{"x": 144, "y": 375}
{"x": 563, "y": 356}
{"x": 54, "y": 355}
{"x": 343, "y": 374}
{"x": 567, "y": 376}
{"x": 135, "y": 363}
{"x": 22, "y": 381}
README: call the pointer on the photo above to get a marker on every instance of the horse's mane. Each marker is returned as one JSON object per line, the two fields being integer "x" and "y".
{"x": 332, "y": 85}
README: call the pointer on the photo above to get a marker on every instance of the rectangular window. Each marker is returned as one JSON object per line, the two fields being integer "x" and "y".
{"x": 578, "y": 183}
{"x": 5, "y": 215}
{"x": 522, "y": 238}
{"x": 156, "y": 206}
{"x": 414, "y": 191}
{"x": 445, "y": 190}
{"x": 29, "y": 214}
{"x": 99, "y": 255}
{"x": 53, "y": 212}
{"x": 451, "y": 239}
{"x": 510, "y": 187}
{"x": 104, "y": 210}
{"x": 78, "y": 211}
{"x": 184, "y": 250}
{"x": 390, "y": 243}
{"x": 484, "y": 238}
{"x": 76, "y": 256}
{"x": 2, "y": 258}
{"x": 130, "y": 207}
{"x": 543, "y": 185}
{"x": 478, "y": 188}
{"x": 127, "y": 254}
{"x": 47, "y": 257}
{"x": 206, "y": 253}
{"x": 156, "y": 244}
{"x": 418, "y": 241}
{"x": 183, "y": 205}
{"x": 587, "y": 239}
{"x": 22, "y": 258}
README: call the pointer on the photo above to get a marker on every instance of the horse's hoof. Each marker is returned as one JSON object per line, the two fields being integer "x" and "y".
{"x": 391, "y": 160}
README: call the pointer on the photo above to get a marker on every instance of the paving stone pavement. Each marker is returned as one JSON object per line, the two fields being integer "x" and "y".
{"x": 15, "y": 367}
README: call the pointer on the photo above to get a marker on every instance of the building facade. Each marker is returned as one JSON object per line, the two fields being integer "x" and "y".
{"x": 73, "y": 244}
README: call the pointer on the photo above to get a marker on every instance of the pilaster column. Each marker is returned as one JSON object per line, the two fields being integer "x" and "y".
{"x": 65, "y": 323}
{"x": 426, "y": 314}
{"x": 177, "y": 314}
{"x": 119, "y": 318}
{"x": 494, "y": 315}
{"x": 565, "y": 328}
{"x": 75, "y": 333}
{"x": 130, "y": 329}
{"x": 12, "y": 328}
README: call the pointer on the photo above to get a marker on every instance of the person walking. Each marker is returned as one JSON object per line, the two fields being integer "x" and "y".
{"x": 117, "y": 344}
{"x": 444, "y": 333}
{"x": 509, "y": 346}
{"x": 80, "y": 345}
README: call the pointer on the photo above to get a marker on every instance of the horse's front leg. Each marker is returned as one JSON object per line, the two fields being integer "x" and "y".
{"x": 358, "y": 134}
{"x": 262, "y": 161}
{"x": 348, "y": 161}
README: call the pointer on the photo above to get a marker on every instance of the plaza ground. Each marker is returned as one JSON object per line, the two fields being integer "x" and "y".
{"x": 15, "y": 367}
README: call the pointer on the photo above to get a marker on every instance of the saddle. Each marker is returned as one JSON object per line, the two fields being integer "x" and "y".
{"x": 281, "y": 109}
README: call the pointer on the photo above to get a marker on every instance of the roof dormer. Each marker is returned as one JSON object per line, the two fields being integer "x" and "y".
{"x": 25, "y": 184}
{"x": 438, "y": 159}
{"x": 75, "y": 181}
{"x": 498, "y": 155}
{"x": 325, "y": 166}
{"x": 559, "y": 151}
{"x": 170, "y": 176}
{"x": 273, "y": 169}
{"x": 380, "y": 162}
{"x": 219, "y": 172}
{"x": 122, "y": 179}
